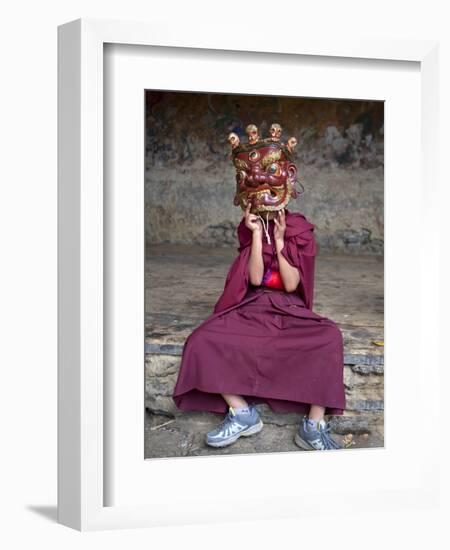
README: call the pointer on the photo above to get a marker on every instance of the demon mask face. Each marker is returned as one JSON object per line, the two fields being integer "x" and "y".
{"x": 265, "y": 172}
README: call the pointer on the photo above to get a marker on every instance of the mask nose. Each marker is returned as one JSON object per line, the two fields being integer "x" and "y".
{"x": 256, "y": 177}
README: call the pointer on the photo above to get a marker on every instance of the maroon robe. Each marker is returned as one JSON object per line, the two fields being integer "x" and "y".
{"x": 265, "y": 344}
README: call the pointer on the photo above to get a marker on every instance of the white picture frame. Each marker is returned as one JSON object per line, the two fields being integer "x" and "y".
{"x": 98, "y": 482}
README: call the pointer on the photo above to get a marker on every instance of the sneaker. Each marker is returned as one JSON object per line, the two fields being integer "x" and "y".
{"x": 235, "y": 424}
{"x": 315, "y": 438}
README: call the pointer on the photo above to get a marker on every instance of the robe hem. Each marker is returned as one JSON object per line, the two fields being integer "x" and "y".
{"x": 337, "y": 411}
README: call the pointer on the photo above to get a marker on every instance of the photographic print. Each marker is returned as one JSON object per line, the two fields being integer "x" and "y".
{"x": 264, "y": 221}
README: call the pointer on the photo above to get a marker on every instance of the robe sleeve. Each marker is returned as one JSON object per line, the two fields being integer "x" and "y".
{"x": 237, "y": 280}
{"x": 300, "y": 252}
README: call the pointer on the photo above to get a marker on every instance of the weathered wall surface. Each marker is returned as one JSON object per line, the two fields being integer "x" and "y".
{"x": 190, "y": 181}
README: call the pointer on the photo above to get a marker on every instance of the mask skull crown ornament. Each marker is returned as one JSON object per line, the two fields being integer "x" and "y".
{"x": 265, "y": 171}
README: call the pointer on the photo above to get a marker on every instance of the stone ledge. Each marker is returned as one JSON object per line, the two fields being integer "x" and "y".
{"x": 353, "y": 359}
{"x": 364, "y": 386}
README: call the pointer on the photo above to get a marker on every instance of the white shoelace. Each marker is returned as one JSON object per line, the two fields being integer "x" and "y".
{"x": 266, "y": 228}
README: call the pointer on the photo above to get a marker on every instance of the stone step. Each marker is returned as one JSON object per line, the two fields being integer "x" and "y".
{"x": 360, "y": 426}
{"x": 364, "y": 384}
{"x": 375, "y": 360}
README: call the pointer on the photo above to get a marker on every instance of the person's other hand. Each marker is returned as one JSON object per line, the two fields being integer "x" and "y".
{"x": 251, "y": 220}
{"x": 280, "y": 225}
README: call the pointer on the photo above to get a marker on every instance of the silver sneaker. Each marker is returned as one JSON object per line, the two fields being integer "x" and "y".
{"x": 316, "y": 438}
{"x": 234, "y": 426}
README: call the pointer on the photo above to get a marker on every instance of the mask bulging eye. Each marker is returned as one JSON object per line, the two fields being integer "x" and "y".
{"x": 253, "y": 156}
{"x": 274, "y": 169}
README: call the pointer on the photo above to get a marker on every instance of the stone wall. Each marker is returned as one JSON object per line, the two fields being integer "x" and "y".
{"x": 190, "y": 180}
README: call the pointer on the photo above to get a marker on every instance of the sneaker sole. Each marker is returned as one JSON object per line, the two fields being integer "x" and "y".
{"x": 303, "y": 444}
{"x": 249, "y": 431}
{"x": 307, "y": 447}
